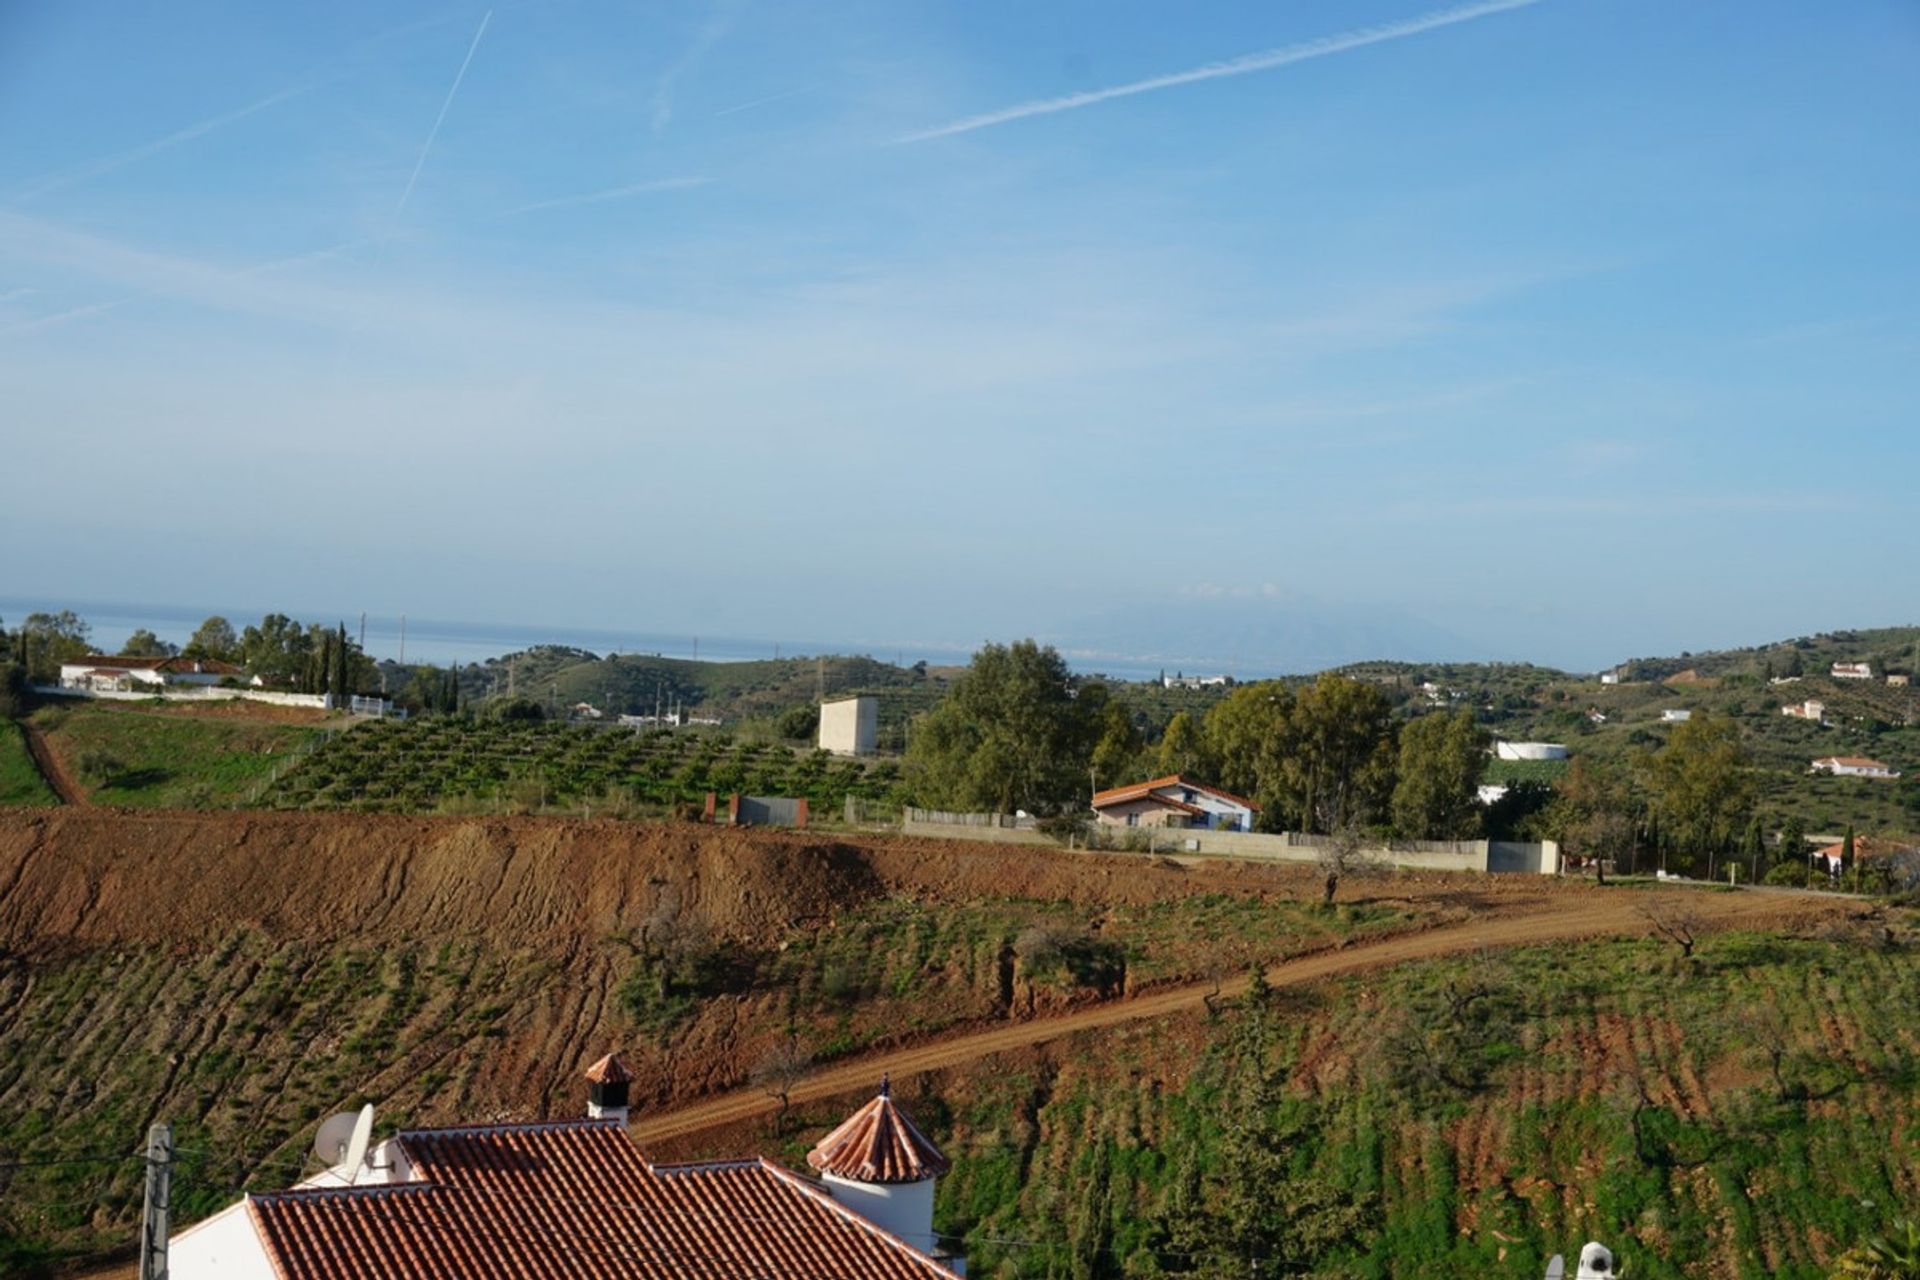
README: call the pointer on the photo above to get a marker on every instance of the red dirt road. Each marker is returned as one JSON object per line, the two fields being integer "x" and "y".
{"x": 52, "y": 767}
{"x": 1586, "y": 916}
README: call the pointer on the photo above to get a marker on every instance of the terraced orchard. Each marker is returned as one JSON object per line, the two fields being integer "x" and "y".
{"x": 460, "y": 765}
{"x": 1748, "y": 1113}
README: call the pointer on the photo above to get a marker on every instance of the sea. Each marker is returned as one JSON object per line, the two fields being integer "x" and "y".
{"x": 441, "y": 641}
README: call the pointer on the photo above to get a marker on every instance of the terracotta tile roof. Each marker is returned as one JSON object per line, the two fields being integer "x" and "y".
{"x": 1120, "y": 795}
{"x": 878, "y": 1143}
{"x": 609, "y": 1070}
{"x": 1853, "y": 762}
{"x": 569, "y": 1201}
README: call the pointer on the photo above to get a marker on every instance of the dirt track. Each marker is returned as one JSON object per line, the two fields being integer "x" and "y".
{"x": 52, "y": 767}
{"x": 1578, "y": 918}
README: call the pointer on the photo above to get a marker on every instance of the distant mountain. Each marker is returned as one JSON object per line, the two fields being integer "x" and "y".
{"x": 1252, "y": 635}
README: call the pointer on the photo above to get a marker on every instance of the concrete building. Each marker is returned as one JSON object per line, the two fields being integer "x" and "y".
{"x": 1676, "y": 715}
{"x": 1852, "y": 671}
{"x": 850, "y": 727}
{"x": 1530, "y": 751}
{"x": 1174, "y": 801}
{"x": 1812, "y": 709}
{"x": 576, "y": 1198}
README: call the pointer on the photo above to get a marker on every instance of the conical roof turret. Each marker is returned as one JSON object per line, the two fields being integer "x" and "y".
{"x": 879, "y": 1143}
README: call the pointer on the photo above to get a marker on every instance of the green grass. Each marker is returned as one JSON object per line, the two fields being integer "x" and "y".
{"x": 1731, "y": 1175}
{"x": 20, "y": 781}
{"x": 143, "y": 758}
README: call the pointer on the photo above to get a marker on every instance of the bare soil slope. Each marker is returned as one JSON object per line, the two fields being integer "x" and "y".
{"x": 243, "y": 974}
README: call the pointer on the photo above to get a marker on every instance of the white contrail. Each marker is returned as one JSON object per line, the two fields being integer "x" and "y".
{"x": 107, "y": 164}
{"x": 1241, "y": 66}
{"x": 438, "y": 120}
{"x": 612, "y": 193}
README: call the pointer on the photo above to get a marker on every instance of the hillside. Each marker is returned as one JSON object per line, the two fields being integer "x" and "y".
{"x": 244, "y": 974}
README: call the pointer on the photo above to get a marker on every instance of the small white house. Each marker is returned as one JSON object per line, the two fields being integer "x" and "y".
{"x": 1852, "y": 671}
{"x": 1812, "y": 709}
{"x": 1676, "y": 715}
{"x": 1610, "y": 677}
{"x": 1854, "y": 767}
{"x": 1174, "y": 801}
{"x": 850, "y": 726}
{"x": 104, "y": 673}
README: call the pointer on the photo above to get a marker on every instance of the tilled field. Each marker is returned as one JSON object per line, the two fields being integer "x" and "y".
{"x": 241, "y": 975}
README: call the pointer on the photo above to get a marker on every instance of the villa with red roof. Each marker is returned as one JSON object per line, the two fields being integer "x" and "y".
{"x": 574, "y": 1199}
{"x": 102, "y": 673}
{"x": 1174, "y": 801}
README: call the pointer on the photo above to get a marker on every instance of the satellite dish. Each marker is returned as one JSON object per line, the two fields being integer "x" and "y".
{"x": 1556, "y": 1267}
{"x": 336, "y": 1131}
{"x": 357, "y": 1144}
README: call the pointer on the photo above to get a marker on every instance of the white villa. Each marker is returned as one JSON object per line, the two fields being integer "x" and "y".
{"x": 1812, "y": 709}
{"x": 1852, "y": 671}
{"x": 1174, "y": 801}
{"x": 1854, "y": 767}
{"x": 576, "y": 1199}
{"x": 100, "y": 673}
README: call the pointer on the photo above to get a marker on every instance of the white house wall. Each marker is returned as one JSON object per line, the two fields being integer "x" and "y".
{"x": 223, "y": 1247}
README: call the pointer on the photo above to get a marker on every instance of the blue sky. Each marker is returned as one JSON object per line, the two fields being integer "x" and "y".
{"x": 1564, "y": 330}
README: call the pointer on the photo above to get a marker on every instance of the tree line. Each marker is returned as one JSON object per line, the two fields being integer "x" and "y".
{"x": 1020, "y": 731}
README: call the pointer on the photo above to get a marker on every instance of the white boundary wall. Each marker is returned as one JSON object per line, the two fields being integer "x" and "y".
{"x": 207, "y": 694}
{"x": 1500, "y": 856}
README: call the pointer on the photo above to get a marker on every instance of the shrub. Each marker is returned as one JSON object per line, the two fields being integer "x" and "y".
{"x": 1787, "y": 873}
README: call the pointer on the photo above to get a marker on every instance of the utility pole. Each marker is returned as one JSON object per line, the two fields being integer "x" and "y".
{"x": 153, "y": 1219}
{"x": 363, "y": 631}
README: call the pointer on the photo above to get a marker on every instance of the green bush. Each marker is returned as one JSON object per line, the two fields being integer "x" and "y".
{"x": 1787, "y": 873}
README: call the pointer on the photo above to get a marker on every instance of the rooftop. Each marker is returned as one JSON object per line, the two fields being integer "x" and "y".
{"x": 1138, "y": 790}
{"x": 574, "y": 1199}
{"x": 878, "y": 1143}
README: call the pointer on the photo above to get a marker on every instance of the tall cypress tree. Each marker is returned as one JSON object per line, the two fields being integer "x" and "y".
{"x": 339, "y": 680}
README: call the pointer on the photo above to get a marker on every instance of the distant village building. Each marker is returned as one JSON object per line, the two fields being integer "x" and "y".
{"x": 1898, "y": 677}
{"x": 576, "y": 1198}
{"x": 850, "y": 726}
{"x": 1610, "y": 677}
{"x": 100, "y": 673}
{"x": 1812, "y": 709}
{"x": 1676, "y": 715}
{"x": 1178, "y": 681}
{"x": 585, "y": 711}
{"x": 1853, "y": 671}
{"x": 1530, "y": 750}
{"x": 1832, "y": 858}
{"x": 1174, "y": 801}
{"x": 1854, "y": 767}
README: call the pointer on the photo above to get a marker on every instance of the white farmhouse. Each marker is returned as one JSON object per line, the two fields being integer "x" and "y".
{"x": 1676, "y": 715}
{"x": 576, "y": 1198}
{"x": 850, "y": 726}
{"x": 1174, "y": 801}
{"x": 1854, "y": 767}
{"x": 1852, "y": 671}
{"x": 101, "y": 673}
{"x": 1812, "y": 709}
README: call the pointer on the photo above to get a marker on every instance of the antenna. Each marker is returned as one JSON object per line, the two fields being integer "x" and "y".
{"x": 357, "y": 1145}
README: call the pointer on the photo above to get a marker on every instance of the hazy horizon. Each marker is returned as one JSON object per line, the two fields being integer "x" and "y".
{"x": 1525, "y": 330}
